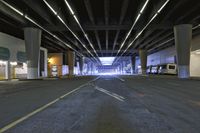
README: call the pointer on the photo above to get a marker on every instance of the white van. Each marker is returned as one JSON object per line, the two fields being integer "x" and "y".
{"x": 168, "y": 69}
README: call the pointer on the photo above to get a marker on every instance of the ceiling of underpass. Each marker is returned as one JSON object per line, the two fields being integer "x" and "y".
{"x": 105, "y": 23}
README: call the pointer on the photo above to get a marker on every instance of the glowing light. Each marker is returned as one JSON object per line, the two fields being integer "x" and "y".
{"x": 154, "y": 16}
{"x": 145, "y": 4}
{"x": 137, "y": 18}
{"x": 50, "y": 60}
{"x": 2, "y": 62}
{"x": 13, "y": 63}
{"x": 197, "y": 52}
{"x": 107, "y": 60}
{"x": 72, "y": 12}
{"x": 163, "y": 6}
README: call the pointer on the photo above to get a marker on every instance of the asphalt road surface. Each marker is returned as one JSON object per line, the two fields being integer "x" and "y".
{"x": 109, "y": 104}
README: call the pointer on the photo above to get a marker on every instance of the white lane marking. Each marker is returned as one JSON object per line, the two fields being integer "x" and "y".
{"x": 12, "y": 124}
{"x": 120, "y": 78}
{"x": 114, "y": 95}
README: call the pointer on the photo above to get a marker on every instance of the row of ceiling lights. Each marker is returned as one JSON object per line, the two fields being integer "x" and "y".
{"x": 136, "y": 20}
{"x": 171, "y": 39}
{"x": 63, "y": 22}
{"x": 138, "y": 35}
{"x": 76, "y": 19}
{"x": 41, "y": 27}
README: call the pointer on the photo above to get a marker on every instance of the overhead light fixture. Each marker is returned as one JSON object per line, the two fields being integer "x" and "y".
{"x": 137, "y": 36}
{"x": 41, "y": 27}
{"x": 171, "y": 39}
{"x": 154, "y": 16}
{"x": 137, "y": 18}
{"x": 14, "y": 9}
{"x": 72, "y": 12}
{"x": 55, "y": 13}
{"x": 76, "y": 19}
{"x": 163, "y": 6}
{"x": 63, "y": 22}
{"x": 145, "y": 4}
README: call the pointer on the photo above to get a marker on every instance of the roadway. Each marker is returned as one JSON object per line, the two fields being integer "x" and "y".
{"x": 107, "y": 104}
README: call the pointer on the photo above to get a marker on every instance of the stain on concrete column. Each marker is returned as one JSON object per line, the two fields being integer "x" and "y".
{"x": 183, "y": 36}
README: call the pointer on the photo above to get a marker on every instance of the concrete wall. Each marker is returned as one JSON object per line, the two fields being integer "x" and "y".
{"x": 56, "y": 59}
{"x": 164, "y": 56}
{"x": 195, "y": 65}
{"x": 13, "y": 44}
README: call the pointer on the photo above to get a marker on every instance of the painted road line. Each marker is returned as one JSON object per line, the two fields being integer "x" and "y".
{"x": 120, "y": 78}
{"x": 114, "y": 95}
{"x": 11, "y": 125}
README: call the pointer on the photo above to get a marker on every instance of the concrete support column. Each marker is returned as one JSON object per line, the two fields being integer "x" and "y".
{"x": 71, "y": 62}
{"x": 121, "y": 68}
{"x": 143, "y": 60}
{"x": 81, "y": 63}
{"x": 133, "y": 64}
{"x": 124, "y": 65}
{"x": 183, "y": 36}
{"x": 32, "y": 38}
{"x": 88, "y": 68}
{"x": 8, "y": 70}
{"x": 91, "y": 68}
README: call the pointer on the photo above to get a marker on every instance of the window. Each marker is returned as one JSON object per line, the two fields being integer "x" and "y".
{"x": 171, "y": 67}
{"x": 163, "y": 67}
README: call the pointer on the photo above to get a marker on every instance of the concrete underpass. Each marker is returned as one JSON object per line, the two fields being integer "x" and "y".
{"x": 103, "y": 66}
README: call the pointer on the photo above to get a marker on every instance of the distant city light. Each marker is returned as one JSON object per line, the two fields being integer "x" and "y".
{"x": 107, "y": 60}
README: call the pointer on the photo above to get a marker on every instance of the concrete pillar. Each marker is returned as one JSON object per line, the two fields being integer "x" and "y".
{"x": 71, "y": 62}
{"x": 88, "y": 68}
{"x": 8, "y": 70}
{"x": 32, "y": 38}
{"x": 133, "y": 64}
{"x": 45, "y": 72}
{"x": 143, "y": 60}
{"x": 183, "y": 36}
{"x": 81, "y": 63}
{"x": 124, "y": 65}
{"x": 91, "y": 68}
{"x": 121, "y": 68}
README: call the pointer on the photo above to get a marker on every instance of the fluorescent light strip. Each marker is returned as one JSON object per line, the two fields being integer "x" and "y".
{"x": 163, "y": 6}
{"x": 14, "y": 9}
{"x": 55, "y": 13}
{"x": 194, "y": 28}
{"x": 31, "y": 20}
{"x": 144, "y": 6}
{"x": 76, "y": 19}
{"x": 72, "y": 12}
{"x": 137, "y": 18}
{"x": 154, "y": 16}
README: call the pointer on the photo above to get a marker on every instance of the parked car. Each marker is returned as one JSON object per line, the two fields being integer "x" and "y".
{"x": 154, "y": 69}
{"x": 168, "y": 69}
